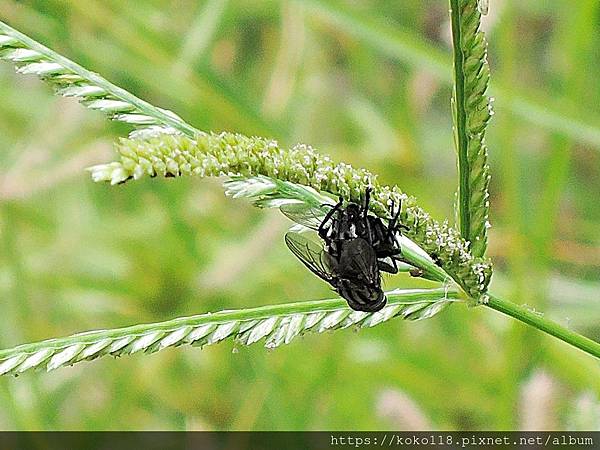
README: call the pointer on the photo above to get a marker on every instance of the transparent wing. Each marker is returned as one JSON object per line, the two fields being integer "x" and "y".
{"x": 311, "y": 254}
{"x": 308, "y": 216}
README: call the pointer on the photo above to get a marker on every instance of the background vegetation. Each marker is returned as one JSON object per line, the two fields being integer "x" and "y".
{"x": 366, "y": 82}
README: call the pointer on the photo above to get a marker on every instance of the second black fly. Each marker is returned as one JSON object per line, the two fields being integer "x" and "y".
{"x": 358, "y": 246}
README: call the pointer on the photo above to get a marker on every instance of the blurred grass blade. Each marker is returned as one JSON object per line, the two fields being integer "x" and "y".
{"x": 471, "y": 112}
{"x": 275, "y": 324}
{"x": 414, "y": 50}
{"x": 200, "y": 34}
{"x": 150, "y": 61}
{"x": 94, "y": 92}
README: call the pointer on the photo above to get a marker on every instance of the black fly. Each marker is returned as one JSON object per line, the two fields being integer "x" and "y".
{"x": 353, "y": 273}
{"x": 357, "y": 247}
{"x": 354, "y": 221}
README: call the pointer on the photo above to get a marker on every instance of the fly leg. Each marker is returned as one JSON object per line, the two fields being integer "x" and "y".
{"x": 322, "y": 228}
{"x": 394, "y": 225}
{"x": 390, "y": 236}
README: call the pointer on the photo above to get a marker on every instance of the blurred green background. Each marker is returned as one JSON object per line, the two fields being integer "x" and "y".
{"x": 367, "y": 82}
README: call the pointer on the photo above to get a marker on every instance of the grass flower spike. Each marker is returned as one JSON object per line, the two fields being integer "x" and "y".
{"x": 276, "y": 325}
{"x": 471, "y": 111}
{"x": 229, "y": 154}
{"x": 94, "y": 92}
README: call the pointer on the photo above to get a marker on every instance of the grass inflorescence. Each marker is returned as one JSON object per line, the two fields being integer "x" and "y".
{"x": 276, "y": 325}
{"x": 471, "y": 111}
{"x": 231, "y": 154}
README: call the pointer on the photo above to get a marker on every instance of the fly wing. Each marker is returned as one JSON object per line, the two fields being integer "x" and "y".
{"x": 308, "y": 216}
{"x": 311, "y": 254}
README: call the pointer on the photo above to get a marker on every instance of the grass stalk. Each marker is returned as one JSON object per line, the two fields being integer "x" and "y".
{"x": 537, "y": 320}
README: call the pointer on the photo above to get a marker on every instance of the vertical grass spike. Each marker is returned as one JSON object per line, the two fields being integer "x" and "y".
{"x": 471, "y": 111}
